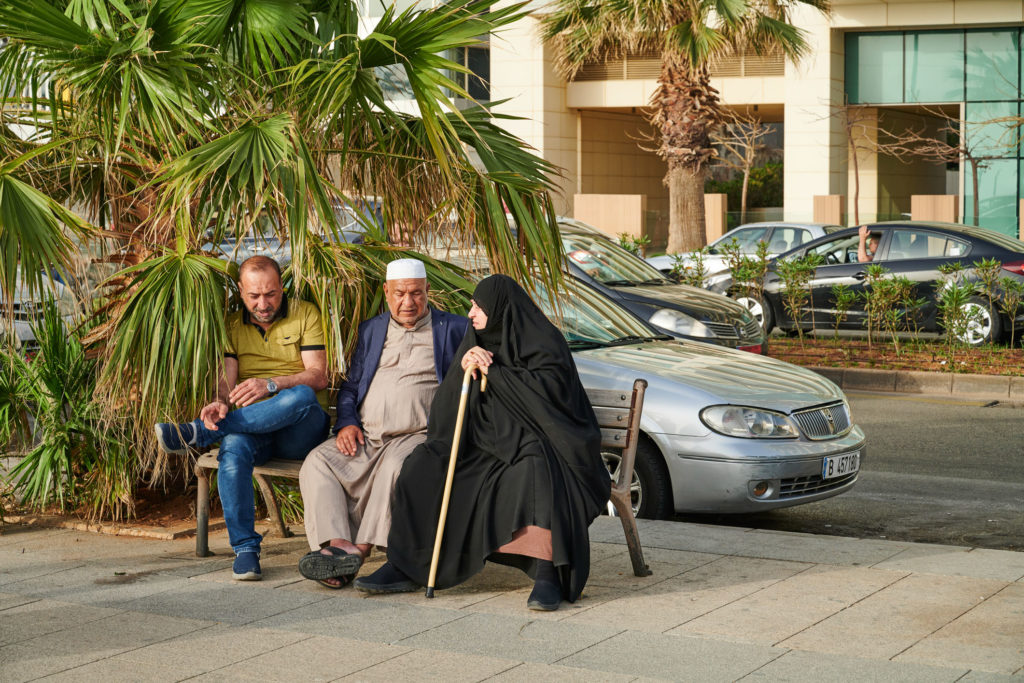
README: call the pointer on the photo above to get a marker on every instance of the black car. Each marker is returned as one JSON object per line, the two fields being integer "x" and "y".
{"x": 678, "y": 310}
{"x": 913, "y": 249}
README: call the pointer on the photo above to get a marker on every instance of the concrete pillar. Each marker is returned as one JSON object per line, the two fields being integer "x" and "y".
{"x": 612, "y": 214}
{"x": 828, "y": 208}
{"x": 934, "y": 207}
{"x": 522, "y": 72}
{"x": 815, "y": 150}
{"x": 715, "y": 206}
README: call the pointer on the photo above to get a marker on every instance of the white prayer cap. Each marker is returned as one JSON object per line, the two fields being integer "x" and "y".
{"x": 406, "y": 269}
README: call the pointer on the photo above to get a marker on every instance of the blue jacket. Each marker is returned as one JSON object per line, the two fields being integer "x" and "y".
{"x": 448, "y": 328}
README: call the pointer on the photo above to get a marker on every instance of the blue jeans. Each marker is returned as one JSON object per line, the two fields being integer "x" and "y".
{"x": 288, "y": 425}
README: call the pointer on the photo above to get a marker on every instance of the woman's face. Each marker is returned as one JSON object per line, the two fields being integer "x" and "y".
{"x": 477, "y": 317}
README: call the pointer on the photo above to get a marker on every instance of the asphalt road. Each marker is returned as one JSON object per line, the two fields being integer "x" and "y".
{"x": 937, "y": 470}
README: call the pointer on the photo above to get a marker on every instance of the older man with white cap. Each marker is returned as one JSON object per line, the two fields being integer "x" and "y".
{"x": 400, "y": 358}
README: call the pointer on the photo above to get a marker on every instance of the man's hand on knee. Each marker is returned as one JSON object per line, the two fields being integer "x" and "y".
{"x": 249, "y": 391}
{"x": 347, "y": 439}
{"x": 212, "y": 413}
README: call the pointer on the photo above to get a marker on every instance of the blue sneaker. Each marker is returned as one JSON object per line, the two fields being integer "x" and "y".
{"x": 175, "y": 438}
{"x": 247, "y": 566}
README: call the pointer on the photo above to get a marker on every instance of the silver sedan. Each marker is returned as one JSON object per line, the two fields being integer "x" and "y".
{"x": 722, "y": 431}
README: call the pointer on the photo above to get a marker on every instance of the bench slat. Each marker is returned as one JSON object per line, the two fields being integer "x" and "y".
{"x": 271, "y": 468}
{"x": 614, "y": 438}
{"x": 609, "y": 397}
{"x": 612, "y": 417}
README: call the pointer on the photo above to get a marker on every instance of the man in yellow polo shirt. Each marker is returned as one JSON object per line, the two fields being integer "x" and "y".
{"x": 274, "y": 365}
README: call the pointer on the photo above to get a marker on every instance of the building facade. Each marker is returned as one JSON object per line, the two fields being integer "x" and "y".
{"x": 876, "y": 69}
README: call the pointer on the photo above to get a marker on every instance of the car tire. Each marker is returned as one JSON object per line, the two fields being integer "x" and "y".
{"x": 651, "y": 487}
{"x": 759, "y": 308}
{"x": 988, "y": 328}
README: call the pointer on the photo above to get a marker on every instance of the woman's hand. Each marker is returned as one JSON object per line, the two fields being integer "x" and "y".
{"x": 477, "y": 356}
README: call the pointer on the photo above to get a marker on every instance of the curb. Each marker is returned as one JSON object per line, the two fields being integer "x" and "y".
{"x": 995, "y": 387}
{"x": 108, "y": 528}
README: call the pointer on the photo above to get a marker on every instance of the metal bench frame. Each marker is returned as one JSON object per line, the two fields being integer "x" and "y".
{"x": 618, "y": 415}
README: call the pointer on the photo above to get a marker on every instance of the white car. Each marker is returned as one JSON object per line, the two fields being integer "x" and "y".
{"x": 722, "y": 431}
{"x": 780, "y": 237}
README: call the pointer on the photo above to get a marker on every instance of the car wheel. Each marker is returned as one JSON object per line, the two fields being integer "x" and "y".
{"x": 985, "y": 327}
{"x": 651, "y": 489}
{"x": 759, "y": 308}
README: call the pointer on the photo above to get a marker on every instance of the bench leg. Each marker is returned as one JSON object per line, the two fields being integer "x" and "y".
{"x": 272, "y": 507}
{"x": 636, "y": 553}
{"x": 202, "y": 513}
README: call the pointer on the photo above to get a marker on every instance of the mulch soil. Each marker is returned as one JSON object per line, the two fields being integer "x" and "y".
{"x": 927, "y": 356}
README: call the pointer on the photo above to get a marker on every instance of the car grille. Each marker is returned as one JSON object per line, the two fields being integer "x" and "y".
{"x": 752, "y": 330}
{"x": 826, "y": 422}
{"x": 722, "y": 329}
{"x": 808, "y": 486}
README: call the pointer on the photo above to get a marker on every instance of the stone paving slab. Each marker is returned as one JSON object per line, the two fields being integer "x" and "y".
{"x": 357, "y": 617}
{"x": 431, "y": 665}
{"x": 520, "y": 638}
{"x": 674, "y": 657}
{"x": 692, "y": 594}
{"x": 84, "y": 643}
{"x": 316, "y": 658}
{"x": 787, "y": 607}
{"x": 981, "y": 563}
{"x": 906, "y": 612}
{"x": 9, "y": 600}
{"x": 531, "y": 672}
{"x": 989, "y": 637}
{"x": 810, "y": 666}
{"x": 42, "y": 617}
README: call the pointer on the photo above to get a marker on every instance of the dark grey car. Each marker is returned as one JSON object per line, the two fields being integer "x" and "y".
{"x": 678, "y": 310}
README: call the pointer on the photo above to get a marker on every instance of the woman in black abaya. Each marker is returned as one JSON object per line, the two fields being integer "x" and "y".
{"x": 529, "y": 478}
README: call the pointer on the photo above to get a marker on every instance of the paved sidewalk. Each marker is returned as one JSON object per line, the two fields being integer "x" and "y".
{"x": 724, "y": 604}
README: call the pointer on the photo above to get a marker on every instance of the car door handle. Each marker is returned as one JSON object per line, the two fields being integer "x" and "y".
{"x": 859, "y": 275}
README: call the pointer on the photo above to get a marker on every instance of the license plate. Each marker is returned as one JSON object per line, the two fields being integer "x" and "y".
{"x": 840, "y": 465}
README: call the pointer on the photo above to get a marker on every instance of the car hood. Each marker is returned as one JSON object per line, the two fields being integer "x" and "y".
{"x": 693, "y": 374}
{"x": 698, "y": 303}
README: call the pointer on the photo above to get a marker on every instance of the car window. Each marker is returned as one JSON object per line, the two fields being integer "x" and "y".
{"x": 800, "y": 236}
{"x": 786, "y": 238}
{"x": 747, "y": 238}
{"x": 838, "y": 250}
{"x": 607, "y": 262}
{"x": 587, "y": 316}
{"x": 916, "y": 244}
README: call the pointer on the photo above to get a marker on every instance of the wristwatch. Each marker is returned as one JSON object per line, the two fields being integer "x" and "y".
{"x": 271, "y": 386}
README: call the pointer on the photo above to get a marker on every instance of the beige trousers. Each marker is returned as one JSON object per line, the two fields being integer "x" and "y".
{"x": 349, "y": 497}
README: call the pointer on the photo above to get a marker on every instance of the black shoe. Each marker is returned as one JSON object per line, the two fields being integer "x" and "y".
{"x": 387, "y": 579}
{"x": 547, "y": 592}
{"x": 175, "y": 439}
{"x": 317, "y": 566}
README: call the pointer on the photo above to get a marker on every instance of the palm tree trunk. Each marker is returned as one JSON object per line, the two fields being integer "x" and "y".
{"x": 686, "y": 111}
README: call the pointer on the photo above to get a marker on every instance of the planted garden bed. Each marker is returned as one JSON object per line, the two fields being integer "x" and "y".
{"x": 914, "y": 354}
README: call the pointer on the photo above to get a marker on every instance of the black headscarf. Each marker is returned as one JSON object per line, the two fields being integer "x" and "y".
{"x": 530, "y": 452}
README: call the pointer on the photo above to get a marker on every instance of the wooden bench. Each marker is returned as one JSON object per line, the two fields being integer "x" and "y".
{"x": 618, "y": 414}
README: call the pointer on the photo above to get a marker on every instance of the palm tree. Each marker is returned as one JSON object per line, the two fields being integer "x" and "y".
{"x": 689, "y": 35}
{"x": 167, "y": 125}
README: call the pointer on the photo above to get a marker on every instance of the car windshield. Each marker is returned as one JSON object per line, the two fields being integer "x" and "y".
{"x": 589, "y": 319}
{"x": 746, "y": 240}
{"x": 609, "y": 263}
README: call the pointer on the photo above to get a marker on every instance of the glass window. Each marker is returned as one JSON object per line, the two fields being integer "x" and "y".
{"x": 997, "y": 194}
{"x": 839, "y": 250}
{"x": 586, "y": 317}
{"x": 915, "y": 244}
{"x": 785, "y": 238}
{"x": 989, "y": 128}
{"x": 935, "y": 66}
{"x": 607, "y": 262}
{"x": 746, "y": 239}
{"x": 992, "y": 65}
{"x": 478, "y": 61}
{"x": 874, "y": 67}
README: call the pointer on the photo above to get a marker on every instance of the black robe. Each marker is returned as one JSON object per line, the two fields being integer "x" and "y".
{"x": 530, "y": 454}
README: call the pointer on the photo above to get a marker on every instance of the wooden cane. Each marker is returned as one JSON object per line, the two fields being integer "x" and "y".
{"x": 466, "y": 378}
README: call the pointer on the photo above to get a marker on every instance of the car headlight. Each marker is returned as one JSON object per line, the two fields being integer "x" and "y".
{"x": 749, "y": 423}
{"x": 680, "y": 323}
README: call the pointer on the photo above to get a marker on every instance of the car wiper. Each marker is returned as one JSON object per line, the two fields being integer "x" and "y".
{"x": 584, "y": 344}
{"x": 634, "y": 339}
{"x": 621, "y": 283}
{"x": 657, "y": 281}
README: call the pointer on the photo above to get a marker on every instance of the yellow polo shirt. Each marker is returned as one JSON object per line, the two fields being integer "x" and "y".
{"x": 278, "y": 351}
